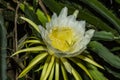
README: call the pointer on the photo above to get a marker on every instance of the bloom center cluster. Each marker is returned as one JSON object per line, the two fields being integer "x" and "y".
{"x": 61, "y": 38}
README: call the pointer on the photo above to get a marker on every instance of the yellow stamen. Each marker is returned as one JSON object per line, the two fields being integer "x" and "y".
{"x": 61, "y": 38}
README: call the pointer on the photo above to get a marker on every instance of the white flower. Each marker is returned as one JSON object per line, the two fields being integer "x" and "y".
{"x": 64, "y": 36}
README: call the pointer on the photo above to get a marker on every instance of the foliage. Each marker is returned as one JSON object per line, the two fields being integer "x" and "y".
{"x": 30, "y": 59}
{"x": 3, "y": 52}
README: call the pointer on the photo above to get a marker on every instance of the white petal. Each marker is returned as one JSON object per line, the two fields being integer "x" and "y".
{"x": 71, "y": 18}
{"x": 76, "y": 13}
{"x": 42, "y": 30}
{"x": 88, "y": 35}
{"x": 76, "y": 47}
{"x": 54, "y": 20}
{"x": 62, "y": 22}
{"x": 81, "y": 45}
{"x": 71, "y": 21}
{"x": 81, "y": 26}
{"x": 63, "y": 12}
{"x": 54, "y": 16}
{"x": 52, "y": 23}
{"x": 49, "y": 26}
{"x": 79, "y": 29}
{"x": 44, "y": 34}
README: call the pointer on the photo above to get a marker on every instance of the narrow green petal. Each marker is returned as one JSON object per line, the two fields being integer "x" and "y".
{"x": 64, "y": 73}
{"x": 81, "y": 66}
{"x": 90, "y": 61}
{"x": 32, "y": 38}
{"x": 52, "y": 73}
{"x": 33, "y": 41}
{"x": 32, "y": 23}
{"x": 35, "y": 61}
{"x": 38, "y": 48}
{"x": 66, "y": 64}
{"x": 45, "y": 67}
{"x": 57, "y": 69}
{"x": 21, "y": 41}
{"x": 76, "y": 74}
{"x": 40, "y": 68}
{"x": 49, "y": 68}
{"x": 29, "y": 41}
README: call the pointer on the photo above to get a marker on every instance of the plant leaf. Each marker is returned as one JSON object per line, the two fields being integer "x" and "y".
{"x": 79, "y": 63}
{"x": 45, "y": 67}
{"x": 3, "y": 51}
{"x": 105, "y": 54}
{"x": 76, "y": 74}
{"x": 35, "y": 61}
{"x": 57, "y": 71}
{"x": 29, "y": 13}
{"x": 113, "y": 72}
{"x": 101, "y": 9}
{"x": 90, "y": 61}
{"x": 55, "y": 6}
{"x": 64, "y": 72}
{"x": 118, "y": 1}
{"x": 38, "y": 48}
{"x": 96, "y": 74}
{"x": 52, "y": 73}
{"x": 49, "y": 68}
{"x": 41, "y": 17}
{"x": 116, "y": 49}
{"x": 29, "y": 41}
{"x": 105, "y": 36}
{"x": 66, "y": 64}
{"x": 31, "y": 23}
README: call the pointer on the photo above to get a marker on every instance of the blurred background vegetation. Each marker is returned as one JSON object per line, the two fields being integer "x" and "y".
{"x": 102, "y": 15}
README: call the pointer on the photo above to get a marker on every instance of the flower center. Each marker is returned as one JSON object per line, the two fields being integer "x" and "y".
{"x": 61, "y": 38}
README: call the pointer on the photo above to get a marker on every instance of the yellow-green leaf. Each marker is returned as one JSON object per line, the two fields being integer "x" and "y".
{"x": 79, "y": 63}
{"x": 30, "y": 41}
{"x": 64, "y": 73}
{"x": 45, "y": 67}
{"x": 35, "y": 61}
{"x": 66, "y": 64}
{"x": 41, "y": 16}
{"x": 76, "y": 74}
{"x": 57, "y": 69}
{"x": 31, "y": 23}
{"x": 38, "y": 48}
{"x": 90, "y": 61}
{"x": 49, "y": 68}
{"x": 51, "y": 74}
